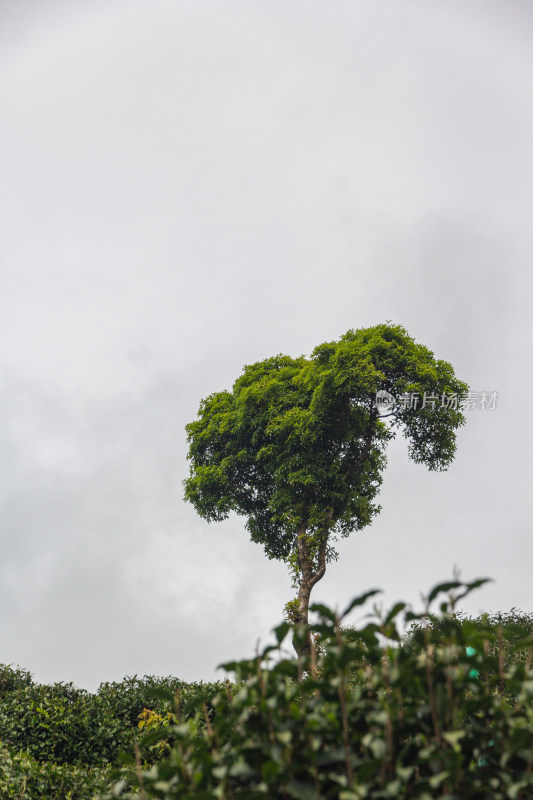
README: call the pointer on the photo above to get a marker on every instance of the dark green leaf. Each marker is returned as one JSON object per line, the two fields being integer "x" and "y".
{"x": 359, "y": 601}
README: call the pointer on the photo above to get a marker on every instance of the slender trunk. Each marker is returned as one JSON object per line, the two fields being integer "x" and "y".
{"x": 309, "y": 575}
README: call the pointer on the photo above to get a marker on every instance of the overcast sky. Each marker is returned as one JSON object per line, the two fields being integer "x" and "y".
{"x": 190, "y": 186}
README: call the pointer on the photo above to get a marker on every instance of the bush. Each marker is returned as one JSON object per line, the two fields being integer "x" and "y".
{"x": 127, "y": 700}
{"x": 12, "y": 678}
{"x": 369, "y": 716}
{"x": 66, "y": 725}
{"x": 506, "y": 635}
{"x": 24, "y": 778}
{"x": 61, "y": 723}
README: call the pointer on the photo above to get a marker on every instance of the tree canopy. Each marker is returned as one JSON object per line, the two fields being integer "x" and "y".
{"x": 298, "y": 445}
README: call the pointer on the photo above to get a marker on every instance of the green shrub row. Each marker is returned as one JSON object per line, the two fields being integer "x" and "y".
{"x": 66, "y": 725}
{"x": 438, "y": 713}
{"x": 24, "y": 778}
{"x": 445, "y": 710}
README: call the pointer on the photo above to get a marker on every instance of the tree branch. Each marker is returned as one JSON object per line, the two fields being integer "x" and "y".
{"x": 321, "y": 569}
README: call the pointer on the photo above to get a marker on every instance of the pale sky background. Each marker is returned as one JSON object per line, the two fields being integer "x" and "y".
{"x": 190, "y": 186}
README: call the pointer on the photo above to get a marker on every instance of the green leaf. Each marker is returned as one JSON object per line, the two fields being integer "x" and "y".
{"x": 474, "y": 585}
{"x": 326, "y": 631}
{"x": 443, "y": 587}
{"x": 230, "y": 666}
{"x": 160, "y": 692}
{"x": 453, "y": 737}
{"x": 324, "y": 611}
{"x": 281, "y": 631}
{"x": 241, "y": 770}
{"x": 268, "y": 649}
{"x": 359, "y": 601}
{"x": 436, "y": 780}
{"x": 302, "y": 791}
{"x": 410, "y": 616}
{"x": 220, "y": 772}
{"x": 513, "y": 791}
{"x": 153, "y": 737}
{"x": 395, "y": 610}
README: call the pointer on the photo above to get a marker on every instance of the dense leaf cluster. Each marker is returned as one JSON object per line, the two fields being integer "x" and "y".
{"x": 444, "y": 710}
{"x": 368, "y": 715}
{"x": 23, "y": 777}
{"x": 58, "y": 739}
{"x": 298, "y": 443}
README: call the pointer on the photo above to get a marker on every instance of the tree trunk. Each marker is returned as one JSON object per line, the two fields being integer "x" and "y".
{"x": 308, "y": 578}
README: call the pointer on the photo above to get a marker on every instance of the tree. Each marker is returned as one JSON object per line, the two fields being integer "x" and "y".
{"x": 298, "y": 446}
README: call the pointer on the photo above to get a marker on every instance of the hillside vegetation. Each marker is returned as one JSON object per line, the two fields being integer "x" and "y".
{"x": 445, "y": 710}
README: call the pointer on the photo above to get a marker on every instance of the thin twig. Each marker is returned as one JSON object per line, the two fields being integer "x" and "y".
{"x": 344, "y": 713}
{"x": 138, "y": 770}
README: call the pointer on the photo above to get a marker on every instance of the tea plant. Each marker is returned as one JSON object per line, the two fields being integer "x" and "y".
{"x": 370, "y": 716}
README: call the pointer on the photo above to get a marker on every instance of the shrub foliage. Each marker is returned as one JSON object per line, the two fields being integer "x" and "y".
{"x": 60, "y": 742}
{"x": 369, "y": 714}
{"x": 444, "y": 710}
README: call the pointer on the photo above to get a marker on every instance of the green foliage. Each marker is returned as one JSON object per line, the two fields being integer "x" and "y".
{"x": 63, "y": 724}
{"x": 446, "y": 710}
{"x": 373, "y": 715}
{"x": 12, "y": 678}
{"x": 66, "y": 725}
{"x": 291, "y": 609}
{"x": 24, "y": 778}
{"x": 152, "y": 721}
{"x": 506, "y": 635}
{"x": 299, "y": 442}
{"x": 126, "y": 699}
{"x": 59, "y": 739}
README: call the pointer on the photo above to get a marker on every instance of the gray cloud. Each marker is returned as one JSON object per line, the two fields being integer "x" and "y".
{"x": 187, "y": 189}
